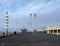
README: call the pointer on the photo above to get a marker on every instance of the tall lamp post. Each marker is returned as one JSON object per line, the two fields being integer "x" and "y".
{"x": 16, "y": 25}
{"x": 33, "y": 17}
{"x": 6, "y": 21}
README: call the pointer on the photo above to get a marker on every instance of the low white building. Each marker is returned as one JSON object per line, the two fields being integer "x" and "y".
{"x": 41, "y": 30}
{"x": 53, "y": 30}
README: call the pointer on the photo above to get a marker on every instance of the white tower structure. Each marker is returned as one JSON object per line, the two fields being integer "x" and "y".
{"x": 6, "y": 21}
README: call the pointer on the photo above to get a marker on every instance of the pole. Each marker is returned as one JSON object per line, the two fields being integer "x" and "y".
{"x": 16, "y": 26}
{"x": 6, "y": 21}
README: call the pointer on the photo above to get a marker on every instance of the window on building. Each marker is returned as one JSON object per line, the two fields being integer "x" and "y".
{"x": 55, "y": 31}
{"x": 59, "y": 30}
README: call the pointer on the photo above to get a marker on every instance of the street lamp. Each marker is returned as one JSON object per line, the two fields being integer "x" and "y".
{"x": 16, "y": 25}
{"x": 33, "y": 17}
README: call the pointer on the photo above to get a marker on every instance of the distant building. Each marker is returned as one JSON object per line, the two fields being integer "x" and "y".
{"x": 53, "y": 30}
{"x": 41, "y": 30}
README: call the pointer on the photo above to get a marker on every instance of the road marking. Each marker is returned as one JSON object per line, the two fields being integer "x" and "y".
{"x": 3, "y": 44}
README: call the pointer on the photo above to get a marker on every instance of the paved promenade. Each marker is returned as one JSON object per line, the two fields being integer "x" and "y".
{"x": 27, "y": 39}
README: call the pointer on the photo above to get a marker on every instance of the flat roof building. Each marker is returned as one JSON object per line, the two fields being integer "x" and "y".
{"x": 53, "y": 30}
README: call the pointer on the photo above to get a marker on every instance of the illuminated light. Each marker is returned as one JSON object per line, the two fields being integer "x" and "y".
{"x": 6, "y": 15}
{"x": 6, "y": 18}
{"x": 6, "y": 24}
{"x": 6, "y": 27}
{"x": 6, "y": 21}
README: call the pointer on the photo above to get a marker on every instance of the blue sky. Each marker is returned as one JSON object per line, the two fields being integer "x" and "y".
{"x": 47, "y": 13}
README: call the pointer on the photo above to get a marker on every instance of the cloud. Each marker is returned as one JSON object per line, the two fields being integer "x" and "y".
{"x": 19, "y": 10}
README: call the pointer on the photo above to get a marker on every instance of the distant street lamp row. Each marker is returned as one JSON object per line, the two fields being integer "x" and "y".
{"x": 33, "y": 17}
